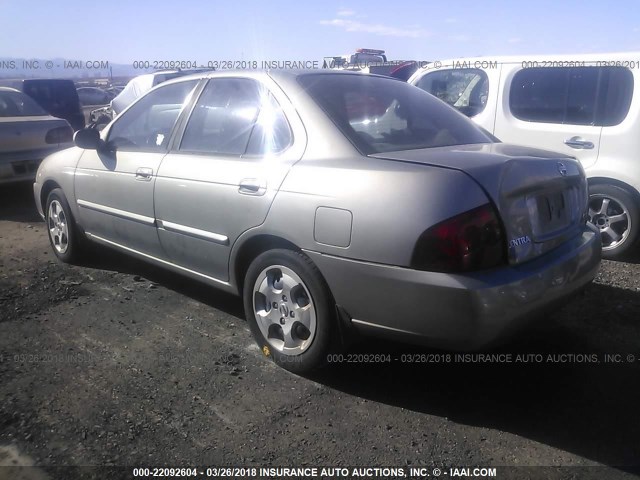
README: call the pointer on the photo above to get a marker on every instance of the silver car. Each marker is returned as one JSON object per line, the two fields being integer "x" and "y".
{"x": 27, "y": 135}
{"x": 333, "y": 203}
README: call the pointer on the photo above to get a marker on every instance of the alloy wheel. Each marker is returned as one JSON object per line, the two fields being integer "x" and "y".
{"x": 58, "y": 227}
{"x": 284, "y": 310}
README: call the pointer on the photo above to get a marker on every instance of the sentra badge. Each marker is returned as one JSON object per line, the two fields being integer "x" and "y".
{"x": 516, "y": 242}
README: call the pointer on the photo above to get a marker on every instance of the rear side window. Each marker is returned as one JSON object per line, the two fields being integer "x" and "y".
{"x": 575, "y": 96}
{"x": 16, "y": 104}
{"x": 614, "y": 96}
{"x": 236, "y": 116}
{"x": 466, "y": 89}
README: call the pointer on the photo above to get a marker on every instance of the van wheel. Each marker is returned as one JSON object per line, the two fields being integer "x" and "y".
{"x": 614, "y": 211}
{"x": 64, "y": 236}
{"x": 289, "y": 310}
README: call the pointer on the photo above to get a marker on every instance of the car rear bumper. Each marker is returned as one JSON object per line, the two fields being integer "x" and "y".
{"x": 458, "y": 311}
{"x": 18, "y": 171}
{"x": 22, "y": 166}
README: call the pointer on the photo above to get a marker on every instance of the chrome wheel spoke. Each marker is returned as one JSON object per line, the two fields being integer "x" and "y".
{"x": 618, "y": 218}
{"x": 612, "y": 234}
{"x": 263, "y": 307}
{"x": 303, "y": 315}
{"x": 605, "y": 206}
{"x": 289, "y": 340}
{"x": 288, "y": 284}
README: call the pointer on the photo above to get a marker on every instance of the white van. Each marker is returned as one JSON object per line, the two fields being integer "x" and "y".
{"x": 587, "y": 106}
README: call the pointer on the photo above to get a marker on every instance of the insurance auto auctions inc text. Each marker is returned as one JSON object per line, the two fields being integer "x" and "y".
{"x": 373, "y": 472}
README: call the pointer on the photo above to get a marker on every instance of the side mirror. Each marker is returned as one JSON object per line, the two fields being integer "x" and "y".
{"x": 88, "y": 138}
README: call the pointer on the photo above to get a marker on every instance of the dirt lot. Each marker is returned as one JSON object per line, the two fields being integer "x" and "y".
{"x": 118, "y": 363}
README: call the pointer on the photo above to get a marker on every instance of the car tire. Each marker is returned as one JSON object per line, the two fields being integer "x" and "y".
{"x": 290, "y": 310}
{"x": 615, "y": 212}
{"x": 65, "y": 237}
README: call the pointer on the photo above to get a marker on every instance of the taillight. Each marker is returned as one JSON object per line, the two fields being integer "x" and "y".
{"x": 59, "y": 135}
{"x": 472, "y": 240}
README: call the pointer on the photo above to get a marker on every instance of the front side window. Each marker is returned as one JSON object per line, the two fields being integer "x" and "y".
{"x": 236, "y": 116}
{"x": 148, "y": 124}
{"x": 574, "y": 96}
{"x": 466, "y": 89}
{"x": 384, "y": 115}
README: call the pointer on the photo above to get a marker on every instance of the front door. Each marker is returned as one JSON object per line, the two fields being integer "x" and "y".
{"x": 114, "y": 186}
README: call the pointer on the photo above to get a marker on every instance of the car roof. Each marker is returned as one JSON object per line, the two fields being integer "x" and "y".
{"x": 9, "y": 89}
{"x": 276, "y": 74}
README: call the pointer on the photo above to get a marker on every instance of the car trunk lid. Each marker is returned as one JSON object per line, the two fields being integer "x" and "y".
{"x": 19, "y": 134}
{"x": 541, "y": 196}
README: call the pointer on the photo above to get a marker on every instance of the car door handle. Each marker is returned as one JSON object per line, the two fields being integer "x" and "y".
{"x": 252, "y": 186}
{"x": 578, "y": 143}
{"x": 144, "y": 174}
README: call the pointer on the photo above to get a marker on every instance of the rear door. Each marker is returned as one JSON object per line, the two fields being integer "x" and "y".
{"x": 223, "y": 174}
{"x": 114, "y": 187}
{"x": 554, "y": 109}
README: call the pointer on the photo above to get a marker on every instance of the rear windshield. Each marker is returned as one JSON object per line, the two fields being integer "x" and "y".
{"x": 54, "y": 96}
{"x": 384, "y": 115}
{"x": 16, "y": 104}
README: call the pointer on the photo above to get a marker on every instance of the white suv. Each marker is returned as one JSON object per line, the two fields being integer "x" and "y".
{"x": 587, "y": 106}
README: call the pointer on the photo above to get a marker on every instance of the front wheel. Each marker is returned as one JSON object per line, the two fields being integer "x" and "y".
{"x": 614, "y": 211}
{"x": 64, "y": 235}
{"x": 289, "y": 309}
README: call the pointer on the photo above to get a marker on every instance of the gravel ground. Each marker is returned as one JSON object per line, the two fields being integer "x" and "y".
{"x": 118, "y": 363}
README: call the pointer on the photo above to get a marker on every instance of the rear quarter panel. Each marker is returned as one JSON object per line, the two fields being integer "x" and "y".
{"x": 391, "y": 204}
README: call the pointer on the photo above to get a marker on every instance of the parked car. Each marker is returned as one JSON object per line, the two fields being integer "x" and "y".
{"x": 585, "y": 106}
{"x": 403, "y": 220}
{"x": 368, "y": 60}
{"x": 27, "y": 135}
{"x": 94, "y": 96}
{"x": 114, "y": 90}
{"x": 56, "y": 96}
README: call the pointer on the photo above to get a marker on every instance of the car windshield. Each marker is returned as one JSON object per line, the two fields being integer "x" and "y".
{"x": 384, "y": 115}
{"x": 16, "y": 104}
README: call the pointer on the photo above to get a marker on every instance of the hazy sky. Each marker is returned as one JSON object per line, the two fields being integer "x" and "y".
{"x": 122, "y": 31}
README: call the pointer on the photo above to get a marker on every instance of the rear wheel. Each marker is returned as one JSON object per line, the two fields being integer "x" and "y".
{"x": 289, "y": 309}
{"x": 64, "y": 235}
{"x": 614, "y": 211}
